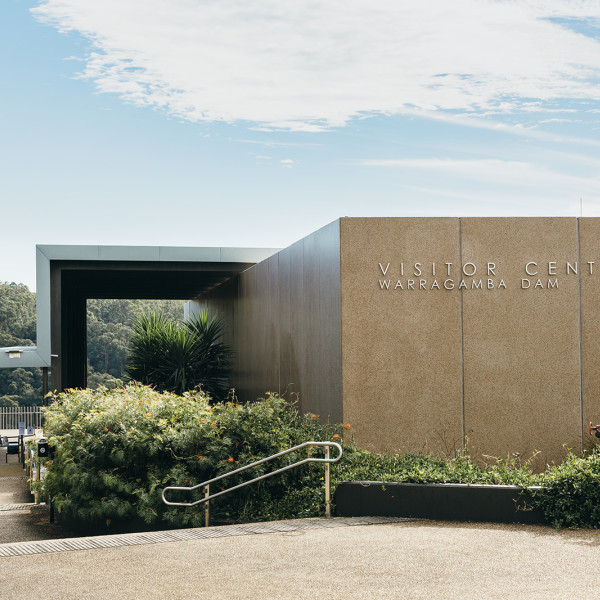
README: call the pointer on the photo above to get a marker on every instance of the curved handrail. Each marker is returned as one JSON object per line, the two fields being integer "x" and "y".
{"x": 254, "y": 464}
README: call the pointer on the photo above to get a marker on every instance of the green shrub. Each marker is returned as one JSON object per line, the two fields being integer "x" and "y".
{"x": 116, "y": 450}
{"x": 570, "y": 494}
{"x": 177, "y": 356}
{"x": 360, "y": 465}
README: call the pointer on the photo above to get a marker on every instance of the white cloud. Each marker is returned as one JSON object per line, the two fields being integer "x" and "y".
{"x": 498, "y": 127}
{"x": 313, "y": 65}
{"x": 498, "y": 172}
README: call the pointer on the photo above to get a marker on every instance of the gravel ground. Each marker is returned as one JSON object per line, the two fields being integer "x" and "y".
{"x": 416, "y": 560}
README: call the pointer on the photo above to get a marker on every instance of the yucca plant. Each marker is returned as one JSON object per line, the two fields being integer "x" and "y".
{"x": 177, "y": 356}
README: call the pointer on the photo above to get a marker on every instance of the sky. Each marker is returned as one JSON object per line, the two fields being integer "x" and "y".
{"x": 252, "y": 124}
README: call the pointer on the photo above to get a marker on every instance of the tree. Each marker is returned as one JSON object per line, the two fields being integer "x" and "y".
{"x": 17, "y": 315}
{"x": 180, "y": 356}
{"x": 109, "y": 329}
{"x": 18, "y": 386}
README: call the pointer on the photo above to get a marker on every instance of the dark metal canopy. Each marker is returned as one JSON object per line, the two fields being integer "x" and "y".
{"x": 67, "y": 276}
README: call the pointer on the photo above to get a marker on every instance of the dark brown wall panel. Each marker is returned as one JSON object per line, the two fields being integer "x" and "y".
{"x": 287, "y": 319}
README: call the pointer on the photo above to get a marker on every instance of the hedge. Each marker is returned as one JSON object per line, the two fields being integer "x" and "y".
{"x": 116, "y": 450}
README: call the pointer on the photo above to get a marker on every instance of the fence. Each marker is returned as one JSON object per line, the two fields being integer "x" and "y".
{"x": 11, "y": 416}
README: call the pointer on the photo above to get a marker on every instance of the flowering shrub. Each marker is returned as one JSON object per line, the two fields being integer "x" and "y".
{"x": 116, "y": 450}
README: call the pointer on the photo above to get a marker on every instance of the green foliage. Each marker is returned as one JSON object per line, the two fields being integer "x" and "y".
{"x": 18, "y": 386}
{"x": 180, "y": 356}
{"x": 117, "y": 449}
{"x": 17, "y": 315}
{"x": 570, "y": 496}
{"x": 360, "y": 465}
{"x": 21, "y": 387}
{"x": 109, "y": 329}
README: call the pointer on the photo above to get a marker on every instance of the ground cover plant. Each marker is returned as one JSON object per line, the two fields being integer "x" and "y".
{"x": 116, "y": 450}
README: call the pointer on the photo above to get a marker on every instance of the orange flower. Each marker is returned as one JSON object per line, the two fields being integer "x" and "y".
{"x": 106, "y": 429}
{"x": 148, "y": 414}
{"x": 230, "y": 459}
{"x": 313, "y": 416}
{"x": 346, "y": 426}
{"x": 213, "y": 424}
{"x": 186, "y": 481}
{"x": 335, "y": 436}
{"x": 202, "y": 420}
{"x": 200, "y": 457}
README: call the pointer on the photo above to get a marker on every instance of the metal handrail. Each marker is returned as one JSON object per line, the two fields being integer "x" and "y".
{"x": 206, "y": 484}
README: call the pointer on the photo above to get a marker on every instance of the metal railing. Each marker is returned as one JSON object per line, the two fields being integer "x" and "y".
{"x": 206, "y": 484}
{"x": 11, "y": 416}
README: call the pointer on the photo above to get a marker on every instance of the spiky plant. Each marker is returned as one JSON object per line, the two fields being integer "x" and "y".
{"x": 179, "y": 356}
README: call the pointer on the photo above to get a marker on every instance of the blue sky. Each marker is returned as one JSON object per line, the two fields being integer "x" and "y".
{"x": 229, "y": 123}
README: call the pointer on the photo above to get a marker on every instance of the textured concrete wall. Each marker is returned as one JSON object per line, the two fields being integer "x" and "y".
{"x": 477, "y": 337}
{"x": 590, "y": 321}
{"x": 401, "y": 347}
{"x": 521, "y": 343}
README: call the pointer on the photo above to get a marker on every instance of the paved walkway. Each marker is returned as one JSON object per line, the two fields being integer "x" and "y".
{"x": 291, "y": 560}
{"x": 409, "y": 559}
{"x": 20, "y": 519}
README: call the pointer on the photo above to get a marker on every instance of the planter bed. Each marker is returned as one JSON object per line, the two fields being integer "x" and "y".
{"x": 438, "y": 501}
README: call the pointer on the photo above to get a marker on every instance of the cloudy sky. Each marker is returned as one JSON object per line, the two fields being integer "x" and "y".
{"x": 236, "y": 123}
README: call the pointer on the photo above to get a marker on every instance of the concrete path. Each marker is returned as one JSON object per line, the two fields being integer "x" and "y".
{"x": 20, "y": 519}
{"x": 409, "y": 560}
{"x": 291, "y": 560}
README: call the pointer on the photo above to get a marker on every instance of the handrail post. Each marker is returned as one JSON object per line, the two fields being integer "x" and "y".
{"x": 207, "y": 506}
{"x": 38, "y": 477}
{"x": 327, "y": 486}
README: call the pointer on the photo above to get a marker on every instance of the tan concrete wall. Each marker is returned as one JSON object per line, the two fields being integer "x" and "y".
{"x": 590, "y": 321}
{"x": 497, "y": 363}
{"x": 521, "y": 344}
{"x": 401, "y": 354}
